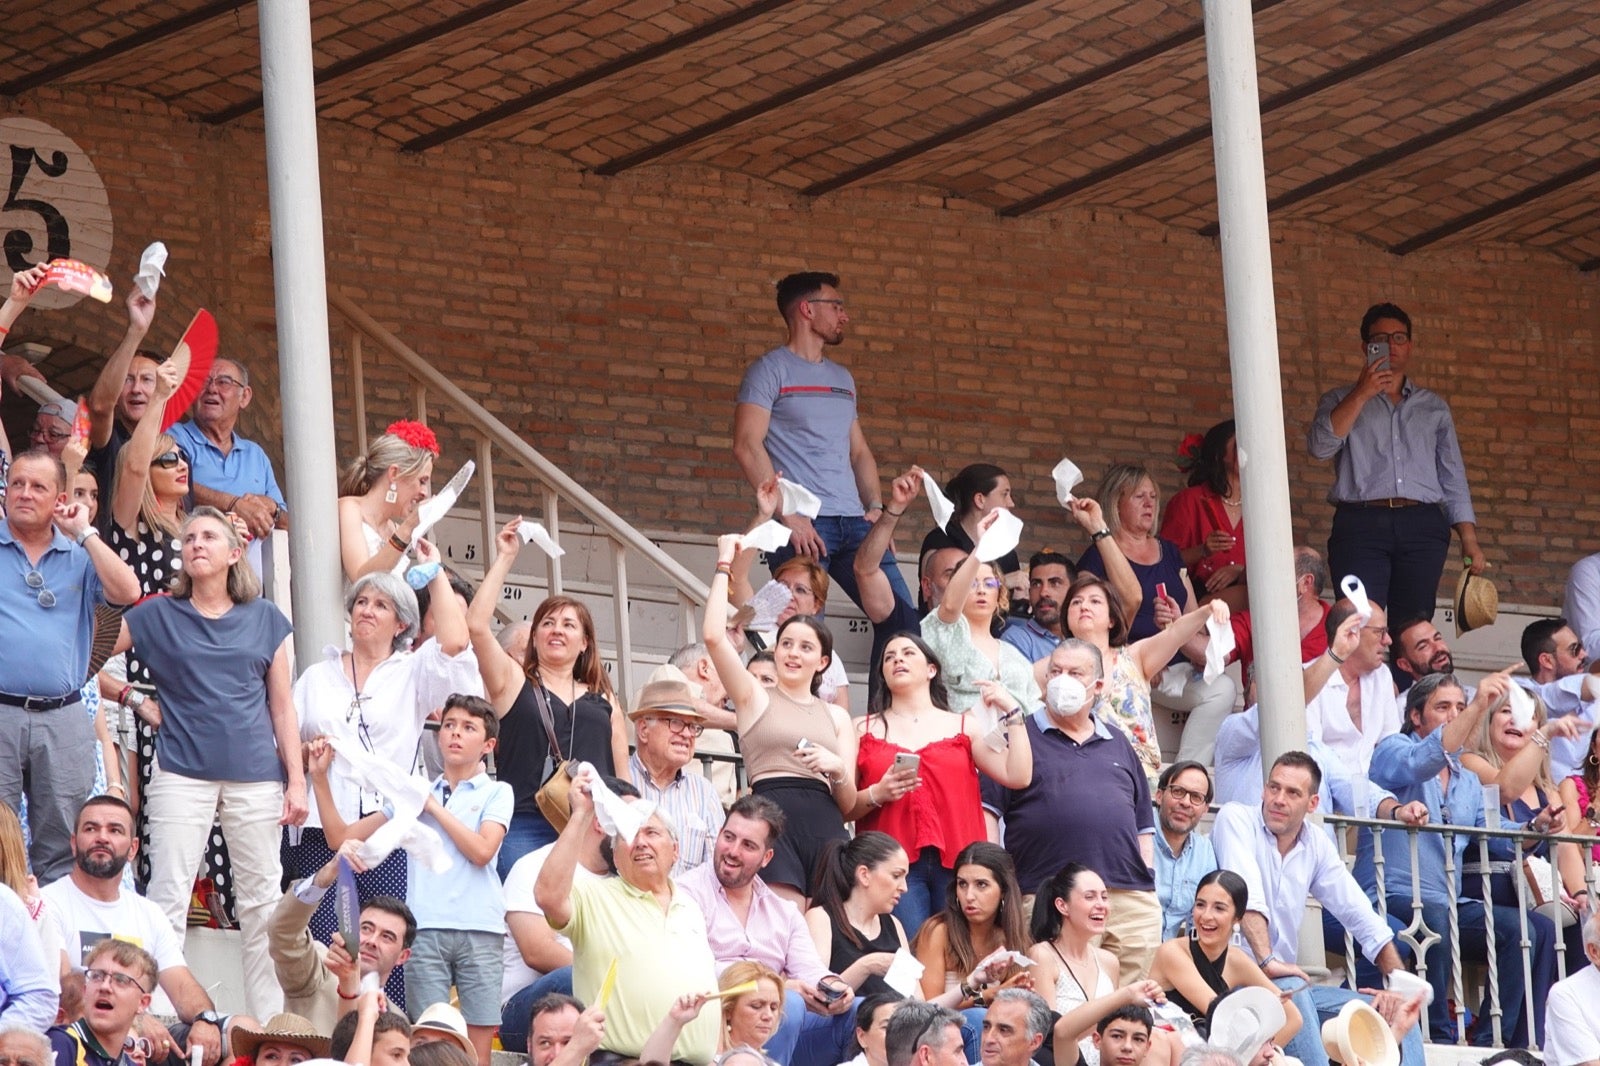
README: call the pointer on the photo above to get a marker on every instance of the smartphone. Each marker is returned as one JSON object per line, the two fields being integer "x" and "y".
{"x": 905, "y": 760}
{"x": 1161, "y": 590}
{"x": 832, "y": 992}
{"x": 1378, "y": 352}
{"x": 805, "y": 742}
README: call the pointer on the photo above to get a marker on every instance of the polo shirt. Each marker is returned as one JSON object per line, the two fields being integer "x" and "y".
{"x": 1101, "y": 783}
{"x": 774, "y": 933}
{"x": 1033, "y": 640}
{"x": 660, "y": 956}
{"x": 692, "y": 804}
{"x": 46, "y": 650}
{"x": 1178, "y": 878}
{"x": 466, "y": 896}
{"x": 245, "y": 468}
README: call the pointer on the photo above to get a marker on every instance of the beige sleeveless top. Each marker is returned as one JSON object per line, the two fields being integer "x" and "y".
{"x": 769, "y": 746}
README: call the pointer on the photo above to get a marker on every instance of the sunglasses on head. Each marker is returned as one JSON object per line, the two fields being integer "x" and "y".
{"x": 168, "y": 460}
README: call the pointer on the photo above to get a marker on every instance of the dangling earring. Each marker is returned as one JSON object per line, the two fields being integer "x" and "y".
{"x": 393, "y": 494}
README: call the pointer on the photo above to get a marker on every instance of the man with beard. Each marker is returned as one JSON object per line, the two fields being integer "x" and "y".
{"x": 118, "y": 980}
{"x": 1183, "y": 856}
{"x": 747, "y": 920}
{"x": 1561, "y": 674}
{"x": 796, "y": 416}
{"x": 1419, "y": 650}
{"x": 89, "y": 905}
{"x": 1049, "y": 574}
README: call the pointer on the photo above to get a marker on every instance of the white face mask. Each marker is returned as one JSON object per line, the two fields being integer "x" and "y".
{"x": 1065, "y": 694}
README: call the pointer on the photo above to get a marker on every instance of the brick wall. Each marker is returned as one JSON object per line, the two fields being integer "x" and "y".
{"x": 609, "y": 320}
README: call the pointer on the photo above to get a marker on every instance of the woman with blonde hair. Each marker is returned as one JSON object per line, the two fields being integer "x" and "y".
{"x": 378, "y": 497}
{"x": 748, "y": 1018}
{"x": 15, "y": 876}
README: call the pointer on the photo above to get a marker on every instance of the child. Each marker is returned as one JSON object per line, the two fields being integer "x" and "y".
{"x": 461, "y": 912}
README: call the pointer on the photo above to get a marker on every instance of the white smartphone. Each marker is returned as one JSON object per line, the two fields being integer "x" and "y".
{"x": 905, "y": 760}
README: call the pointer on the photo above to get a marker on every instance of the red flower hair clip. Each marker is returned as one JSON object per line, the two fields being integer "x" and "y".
{"x": 415, "y": 434}
{"x": 1189, "y": 452}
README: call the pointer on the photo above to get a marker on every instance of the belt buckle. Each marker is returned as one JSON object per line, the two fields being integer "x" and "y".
{"x": 32, "y": 703}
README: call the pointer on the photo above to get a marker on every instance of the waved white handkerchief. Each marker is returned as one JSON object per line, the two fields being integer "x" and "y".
{"x": 617, "y": 816}
{"x": 435, "y": 507}
{"x": 1067, "y": 477}
{"x": 797, "y": 499}
{"x": 767, "y": 604}
{"x": 537, "y": 534}
{"x": 407, "y": 795}
{"x": 987, "y": 722}
{"x": 905, "y": 973}
{"x": 152, "y": 265}
{"x": 1356, "y": 593}
{"x": 769, "y": 536}
{"x": 999, "y": 538}
{"x": 1521, "y": 706}
{"x": 1219, "y": 645}
{"x": 938, "y": 502}
{"x": 1173, "y": 680}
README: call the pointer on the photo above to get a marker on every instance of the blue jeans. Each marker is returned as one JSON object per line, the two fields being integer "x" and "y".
{"x": 842, "y": 536}
{"x": 515, "y": 1016}
{"x": 808, "y": 1039}
{"x": 1319, "y": 1003}
{"x": 527, "y": 832}
{"x": 926, "y": 884}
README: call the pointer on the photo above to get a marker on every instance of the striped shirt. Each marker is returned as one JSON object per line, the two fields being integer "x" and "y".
{"x": 692, "y": 804}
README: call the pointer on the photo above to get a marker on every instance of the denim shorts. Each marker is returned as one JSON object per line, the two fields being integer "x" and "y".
{"x": 469, "y": 959}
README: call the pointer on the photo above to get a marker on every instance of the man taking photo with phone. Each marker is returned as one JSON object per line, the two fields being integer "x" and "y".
{"x": 1399, "y": 482}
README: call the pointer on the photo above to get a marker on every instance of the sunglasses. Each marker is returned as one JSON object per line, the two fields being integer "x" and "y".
{"x": 168, "y": 461}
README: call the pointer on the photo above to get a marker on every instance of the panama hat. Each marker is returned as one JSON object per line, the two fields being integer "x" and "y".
{"x": 1244, "y": 1018}
{"x": 666, "y": 697}
{"x": 280, "y": 1029}
{"x": 1477, "y": 602}
{"x": 1359, "y": 1036}
{"x": 443, "y": 1018}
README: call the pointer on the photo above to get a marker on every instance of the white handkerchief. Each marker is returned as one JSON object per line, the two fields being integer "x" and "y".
{"x": 768, "y": 536}
{"x": 1171, "y": 681}
{"x": 1068, "y": 477}
{"x": 797, "y": 499}
{"x": 767, "y": 604}
{"x": 435, "y": 507}
{"x": 938, "y": 502}
{"x": 1521, "y": 706}
{"x": 535, "y": 532}
{"x": 1219, "y": 645}
{"x": 617, "y": 816}
{"x": 905, "y": 973}
{"x": 993, "y": 964}
{"x": 1000, "y": 538}
{"x": 152, "y": 265}
{"x": 407, "y": 795}
{"x": 1356, "y": 592}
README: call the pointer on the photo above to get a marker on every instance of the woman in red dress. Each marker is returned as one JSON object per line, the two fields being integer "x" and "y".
{"x": 1206, "y": 520}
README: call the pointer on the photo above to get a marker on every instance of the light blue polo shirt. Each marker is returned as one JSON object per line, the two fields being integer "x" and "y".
{"x": 45, "y": 650}
{"x": 465, "y": 896}
{"x": 245, "y": 468}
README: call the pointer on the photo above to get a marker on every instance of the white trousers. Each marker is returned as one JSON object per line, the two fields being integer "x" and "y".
{"x": 182, "y": 811}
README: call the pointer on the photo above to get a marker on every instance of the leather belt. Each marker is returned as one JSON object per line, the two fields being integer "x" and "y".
{"x": 1389, "y": 502}
{"x": 40, "y": 703}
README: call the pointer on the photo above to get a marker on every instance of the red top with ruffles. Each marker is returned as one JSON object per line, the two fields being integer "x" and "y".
{"x": 944, "y": 812}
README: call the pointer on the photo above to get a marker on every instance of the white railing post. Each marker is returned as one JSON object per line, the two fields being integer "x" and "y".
{"x": 488, "y": 522}
{"x": 619, "y": 608}
{"x": 358, "y": 384}
{"x": 688, "y": 632}
{"x": 552, "y": 524}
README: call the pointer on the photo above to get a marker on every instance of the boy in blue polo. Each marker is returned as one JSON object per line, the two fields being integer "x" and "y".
{"x": 461, "y": 912}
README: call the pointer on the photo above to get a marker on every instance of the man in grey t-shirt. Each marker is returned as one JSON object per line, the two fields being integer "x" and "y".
{"x": 796, "y": 415}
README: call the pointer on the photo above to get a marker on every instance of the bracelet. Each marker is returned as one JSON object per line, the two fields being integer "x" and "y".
{"x": 232, "y": 504}
{"x": 1336, "y": 660}
{"x": 871, "y": 798}
{"x": 4, "y": 330}
{"x": 725, "y": 569}
{"x": 875, "y": 505}
{"x": 398, "y": 544}
{"x": 968, "y": 992}
{"x": 339, "y": 990}
{"x": 896, "y": 514}
{"x": 118, "y": 786}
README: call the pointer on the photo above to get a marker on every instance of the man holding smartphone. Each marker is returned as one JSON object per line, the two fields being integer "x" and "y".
{"x": 1399, "y": 482}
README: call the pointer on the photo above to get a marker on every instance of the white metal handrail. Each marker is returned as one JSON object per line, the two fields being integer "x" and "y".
{"x": 556, "y": 485}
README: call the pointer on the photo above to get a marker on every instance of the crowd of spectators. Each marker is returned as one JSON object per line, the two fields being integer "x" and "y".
{"x": 451, "y": 836}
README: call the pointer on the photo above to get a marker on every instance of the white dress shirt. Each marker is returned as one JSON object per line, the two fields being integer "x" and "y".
{"x": 1279, "y": 884}
{"x": 1571, "y": 1027}
{"x": 1563, "y": 697}
{"x": 1328, "y": 719}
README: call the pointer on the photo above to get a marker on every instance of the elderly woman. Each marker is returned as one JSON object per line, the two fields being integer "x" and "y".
{"x": 1206, "y": 520}
{"x": 376, "y": 697}
{"x": 378, "y": 497}
{"x": 229, "y": 741}
{"x": 1131, "y": 500}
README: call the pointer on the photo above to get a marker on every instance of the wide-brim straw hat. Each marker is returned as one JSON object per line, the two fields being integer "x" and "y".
{"x": 1360, "y": 1037}
{"x": 280, "y": 1029}
{"x": 1477, "y": 602}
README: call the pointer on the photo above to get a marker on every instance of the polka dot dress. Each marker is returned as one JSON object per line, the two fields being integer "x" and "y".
{"x": 156, "y": 559}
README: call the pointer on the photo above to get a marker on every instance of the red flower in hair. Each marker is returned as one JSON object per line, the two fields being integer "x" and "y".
{"x": 1189, "y": 452}
{"x": 415, "y": 434}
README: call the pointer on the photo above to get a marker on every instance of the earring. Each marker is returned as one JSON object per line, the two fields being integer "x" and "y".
{"x": 393, "y": 494}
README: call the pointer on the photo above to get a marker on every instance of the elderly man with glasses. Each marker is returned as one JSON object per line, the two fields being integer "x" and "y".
{"x": 666, "y": 721}
{"x": 229, "y": 472}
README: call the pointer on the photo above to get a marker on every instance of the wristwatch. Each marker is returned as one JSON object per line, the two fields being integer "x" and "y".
{"x": 1099, "y": 534}
{"x": 211, "y": 1017}
{"x": 1268, "y": 961}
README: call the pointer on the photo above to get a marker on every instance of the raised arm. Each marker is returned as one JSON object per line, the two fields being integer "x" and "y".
{"x": 1154, "y": 652}
{"x": 1341, "y": 647}
{"x": 503, "y": 676}
{"x": 108, "y": 386}
{"x": 117, "y": 578}
{"x": 1077, "y": 1023}
{"x": 749, "y": 699}
{"x": 685, "y": 1009}
{"x": 449, "y": 619}
{"x": 768, "y": 499}
{"x": 553, "y": 890}
{"x": 877, "y": 595}
{"x": 133, "y": 461}
{"x": 1119, "y": 572}
{"x": 960, "y": 587}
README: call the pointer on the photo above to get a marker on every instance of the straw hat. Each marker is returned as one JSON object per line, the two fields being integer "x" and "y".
{"x": 1477, "y": 602}
{"x": 443, "y": 1018}
{"x": 666, "y": 697}
{"x": 1360, "y": 1037}
{"x": 280, "y": 1029}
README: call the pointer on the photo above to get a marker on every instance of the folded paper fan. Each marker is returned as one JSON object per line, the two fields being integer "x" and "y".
{"x": 195, "y": 353}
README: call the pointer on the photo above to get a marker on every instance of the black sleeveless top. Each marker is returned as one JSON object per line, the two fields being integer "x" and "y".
{"x": 1211, "y": 974}
{"x": 844, "y": 953}
{"x": 519, "y": 757}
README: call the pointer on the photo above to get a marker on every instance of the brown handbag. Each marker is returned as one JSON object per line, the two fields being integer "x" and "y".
{"x": 554, "y": 795}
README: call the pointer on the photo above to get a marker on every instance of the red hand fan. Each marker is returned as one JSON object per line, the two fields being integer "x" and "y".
{"x": 194, "y": 355}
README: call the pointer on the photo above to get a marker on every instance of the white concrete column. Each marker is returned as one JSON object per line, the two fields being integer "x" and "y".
{"x": 300, "y": 286}
{"x": 1253, "y": 355}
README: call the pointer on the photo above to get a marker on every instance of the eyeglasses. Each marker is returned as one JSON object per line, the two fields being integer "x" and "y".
{"x": 1397, "y": 337}
{"x": 801, "y": 590}
{"x": 138, "y": 1045}
{"x": 1184, "y": 795}
{"x": 35, "y": 581}
{"x": 357, "y": 714}
{"x": 985, "y": 583}
{"x": 169, "y": 460}
{"x": 52, "y": 435}
{"x": 1375, "y": 629}
{"x": 836, "y": 303}
{"x": 680, "y": 726}
{"x": 223, "y": 383}
{"x": 121, "y": 980}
